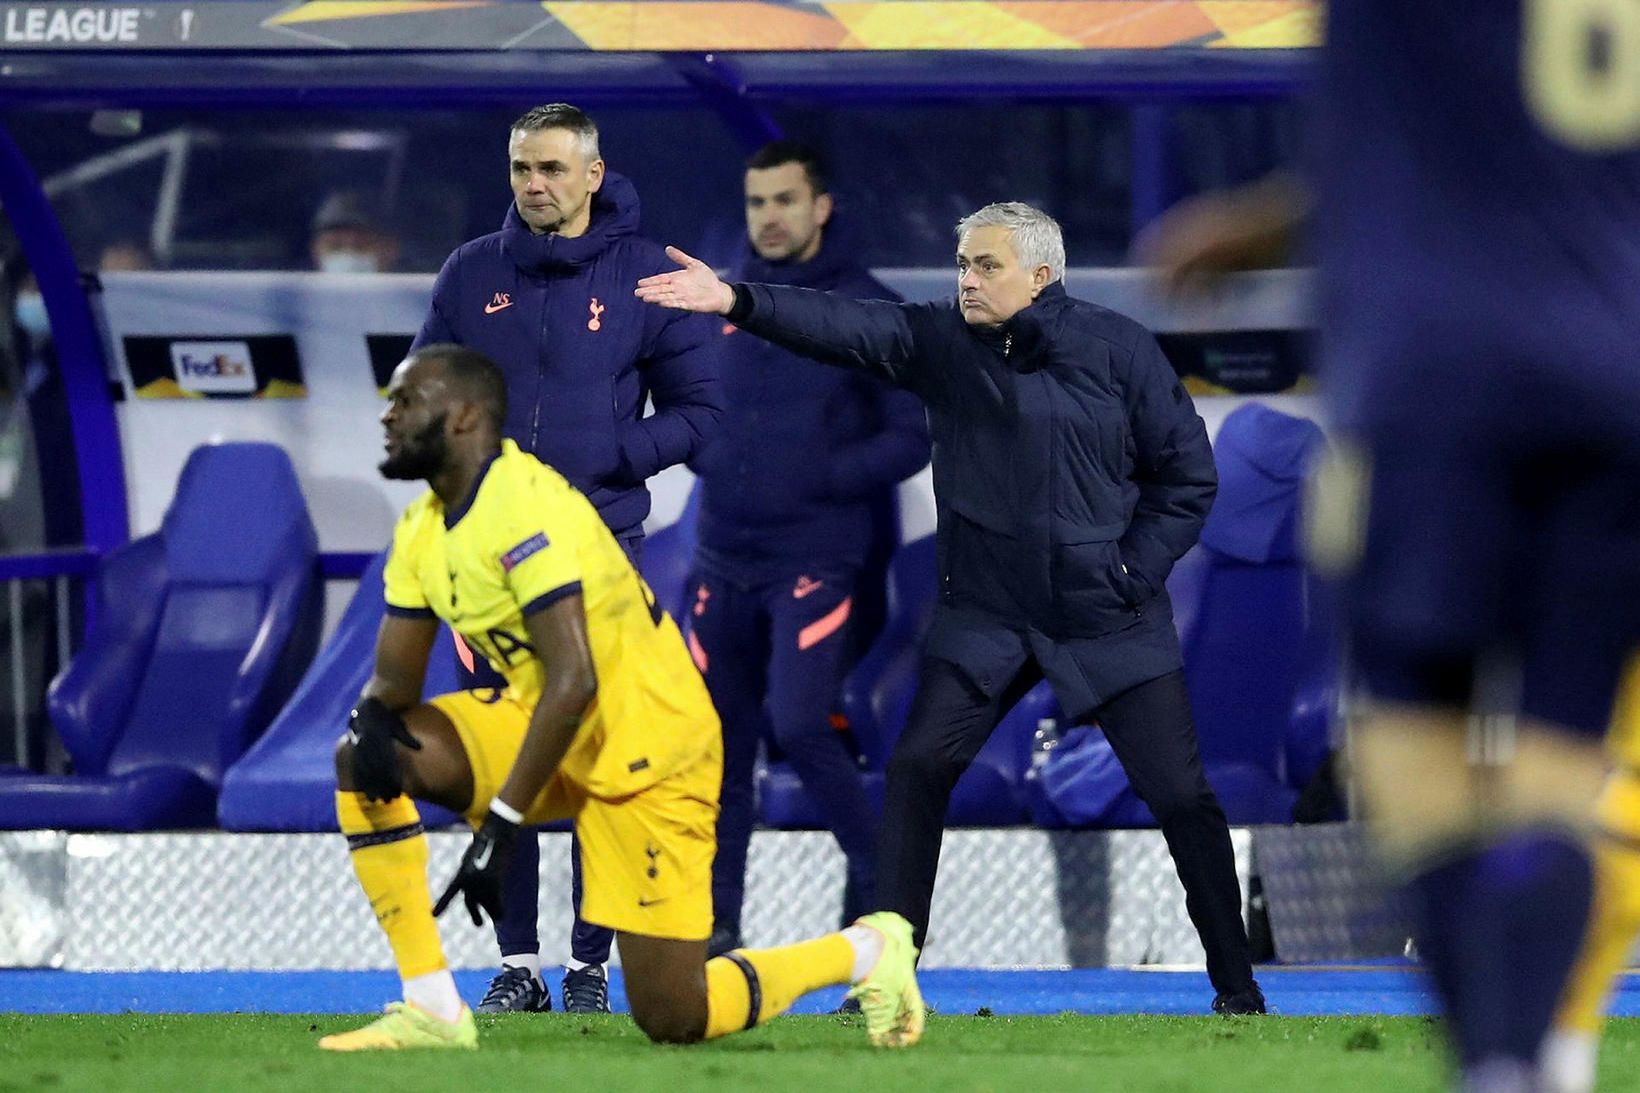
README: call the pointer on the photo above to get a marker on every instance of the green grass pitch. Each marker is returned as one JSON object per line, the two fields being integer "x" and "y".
{"x": 1132, "y": 1054}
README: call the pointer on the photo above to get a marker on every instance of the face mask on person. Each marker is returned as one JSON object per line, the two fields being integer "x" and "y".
{"x": 31, "y": 315}
{"x": 348, "y": 261}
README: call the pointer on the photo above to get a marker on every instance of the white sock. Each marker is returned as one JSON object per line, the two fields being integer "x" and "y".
{"x": 1567, "y": 1061}
{"x": 436, "y": 993}
{"x": 573, "y": 965}
{"x": 532, "y": 961}
{"x": 868, "y": 947}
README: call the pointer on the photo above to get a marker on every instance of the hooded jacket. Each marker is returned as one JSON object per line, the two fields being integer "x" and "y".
{"x": 803, "y": 449}
{"x": 1070, "y": 472}
{"x": 581, "y": 355}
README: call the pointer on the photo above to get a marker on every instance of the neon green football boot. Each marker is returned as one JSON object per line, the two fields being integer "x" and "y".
{"x": 888, "y": 995}
{"x": 407, "y": 1026}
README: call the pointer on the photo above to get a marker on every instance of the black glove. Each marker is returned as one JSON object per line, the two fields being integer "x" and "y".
{"x": 371, "y": 729}
{"x": 482, "y": 869}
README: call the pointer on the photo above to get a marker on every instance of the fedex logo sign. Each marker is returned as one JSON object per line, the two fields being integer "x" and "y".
{"x": 214, "y": 368}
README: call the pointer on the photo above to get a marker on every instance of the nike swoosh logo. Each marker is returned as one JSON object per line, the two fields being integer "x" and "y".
{"x": 651, "y": 902}
{"x": 491, "y": 309}
{"x": 482, "y": 858}
{"x": 803, "y": 590}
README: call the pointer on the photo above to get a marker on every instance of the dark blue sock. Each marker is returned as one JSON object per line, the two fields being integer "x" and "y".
{"x": 520, "y": 897}
{"x": 587, "y": 943}
{"x": 1460, "y": 944}
{"x": 1499, "y": 931}
{"x": 1542, "y": 881}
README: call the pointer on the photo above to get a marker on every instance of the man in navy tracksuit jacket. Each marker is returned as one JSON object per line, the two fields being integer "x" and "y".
{"x": 1070, "y": 472}
{"x": 548, "y": 297}
{"x": 786, "y": 517}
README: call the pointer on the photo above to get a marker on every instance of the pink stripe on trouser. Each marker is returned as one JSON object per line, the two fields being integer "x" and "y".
{"x": 698, "y": 652}
{"x": 463, "y": 654}
{"x": 821, "y": 629}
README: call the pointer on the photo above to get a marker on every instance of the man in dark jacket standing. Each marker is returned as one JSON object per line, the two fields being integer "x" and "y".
{"x": 786, "y": 516}
{"x": 1070, "y": 472}
{"x": 548, "y": 298}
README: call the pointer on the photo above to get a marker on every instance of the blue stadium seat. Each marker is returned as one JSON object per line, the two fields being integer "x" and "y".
{"x": 287, "y": 782}
{"x": 1254, "y": 626}
{"x": 198, "y": 633}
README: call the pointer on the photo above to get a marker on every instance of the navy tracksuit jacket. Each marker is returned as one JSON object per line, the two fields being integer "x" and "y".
{"x": 788, "y": 487}
{"x": 581, "y": 354}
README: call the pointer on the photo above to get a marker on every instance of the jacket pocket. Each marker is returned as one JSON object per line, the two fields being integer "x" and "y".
{"x": 1091, "y": 592}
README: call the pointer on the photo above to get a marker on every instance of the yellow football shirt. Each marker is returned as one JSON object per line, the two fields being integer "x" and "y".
{"x": 524, "y": 539}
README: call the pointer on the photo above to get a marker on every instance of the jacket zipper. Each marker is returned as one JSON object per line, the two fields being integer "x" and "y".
{"x": 540, "y": 377}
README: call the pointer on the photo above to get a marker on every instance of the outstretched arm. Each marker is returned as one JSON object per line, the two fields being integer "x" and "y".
{"x": 695, "y": 287}
{"x": 875, "y": 336}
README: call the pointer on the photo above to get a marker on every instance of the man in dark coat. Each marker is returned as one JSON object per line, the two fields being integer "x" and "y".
{"x": 547, "y": 299}
{"x": 788, "y": 510}
{"x": 1070, "y": 472}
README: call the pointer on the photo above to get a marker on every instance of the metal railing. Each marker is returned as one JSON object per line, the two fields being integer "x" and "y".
{"x": 61, "y": 568}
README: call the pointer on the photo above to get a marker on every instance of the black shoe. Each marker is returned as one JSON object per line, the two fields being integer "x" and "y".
{"x": 1239, "y": 1003}
{"x": 586, "y": 990}
{"x": 515, "y": 990}
{"x": 849, "y": 1008}
{"x": 724, "y": 938}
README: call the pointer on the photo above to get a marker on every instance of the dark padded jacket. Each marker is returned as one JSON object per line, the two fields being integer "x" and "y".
{"x": 1070, "y": 472}
{"x": 581, "y": 354}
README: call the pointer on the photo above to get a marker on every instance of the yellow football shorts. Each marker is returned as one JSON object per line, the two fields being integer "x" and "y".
{"x": 646, "y": 859}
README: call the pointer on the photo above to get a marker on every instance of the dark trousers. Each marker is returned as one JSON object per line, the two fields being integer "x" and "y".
{"x": 1151, "y": 731}
{"x": 515, "y": 930}
{"x": 781, "y": 645}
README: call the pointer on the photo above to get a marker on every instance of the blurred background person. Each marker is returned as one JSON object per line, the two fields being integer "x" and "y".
{"x": 125, "y": 255}
{"x": 789, "y": 502}
{"x": 349, "y": 236}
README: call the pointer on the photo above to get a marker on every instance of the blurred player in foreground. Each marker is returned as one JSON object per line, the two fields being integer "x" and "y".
{"x": 1478, "y": 221}
{"x": 604, "y": 719}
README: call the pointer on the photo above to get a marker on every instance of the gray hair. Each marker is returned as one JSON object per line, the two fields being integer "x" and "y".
{"x": 1034, "y": 235}
{"x": 561, "y": 115}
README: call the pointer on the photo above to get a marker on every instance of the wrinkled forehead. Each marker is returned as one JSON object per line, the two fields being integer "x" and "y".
{"x": 545, "y": 145}
{"x": 991, "y": 239}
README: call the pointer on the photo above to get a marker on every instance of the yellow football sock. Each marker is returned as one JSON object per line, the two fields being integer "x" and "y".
{"x": 389, "y": 851}
{"x": 748, "y": 987}
{"x": 1615, "y": 918}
